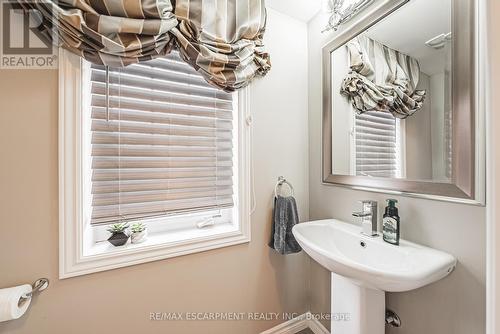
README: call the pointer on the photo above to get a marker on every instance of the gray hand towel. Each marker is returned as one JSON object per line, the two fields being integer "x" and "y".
{"x": 285, "y": 216}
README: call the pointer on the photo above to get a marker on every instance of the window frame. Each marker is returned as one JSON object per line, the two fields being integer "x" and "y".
{"x": 77, "y": 252}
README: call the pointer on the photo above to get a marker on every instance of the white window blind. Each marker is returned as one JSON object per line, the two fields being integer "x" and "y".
{"x": 376, "y": 145}
{"x": 161, "y": 142}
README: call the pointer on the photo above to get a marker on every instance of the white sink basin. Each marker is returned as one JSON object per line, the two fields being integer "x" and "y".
{"x": 364, "y": 268}
{"x": 341, "y": 248}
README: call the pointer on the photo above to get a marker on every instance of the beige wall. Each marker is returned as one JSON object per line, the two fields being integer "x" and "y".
{"x": 418, "y": 137}
{"x": 439, "y": 91}
{"x": 494, "y": 163}
{"x": 454, "y": 305}
{"x": 245, "y": 278}
{"x": 343, "y": 119}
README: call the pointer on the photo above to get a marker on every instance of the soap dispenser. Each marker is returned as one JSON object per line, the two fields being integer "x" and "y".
{"x": 390, "y": 223}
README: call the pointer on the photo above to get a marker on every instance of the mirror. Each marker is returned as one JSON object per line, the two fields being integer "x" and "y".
{"x": 400, "y": 111}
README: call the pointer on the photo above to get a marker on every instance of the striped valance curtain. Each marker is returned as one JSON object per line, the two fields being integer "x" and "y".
{"x": 161, "y": 142}
{"x": 111, "y": 32}
{"x": 382, "y": 79}
{"x": 221, "y": 39}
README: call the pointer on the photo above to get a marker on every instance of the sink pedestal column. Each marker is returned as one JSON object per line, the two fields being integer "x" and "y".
{"x": 356, "y": 309}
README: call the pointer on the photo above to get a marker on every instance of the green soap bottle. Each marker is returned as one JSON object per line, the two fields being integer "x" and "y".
{"x": 390, "y": 223}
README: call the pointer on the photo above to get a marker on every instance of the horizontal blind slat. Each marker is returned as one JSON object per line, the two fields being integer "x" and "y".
{"x": 124, "y": 186}
{"x": 158, "y": 151}
{"x": 159, "y": 162}
{"x": 377, "y": 137}
{"x": 375, "y": 143}
{"x": 155, "y": 196}
{"x": 374, "y": 161}
{"x": 159, "y": 140}
{"x": 375, "y": 155}
{"x": 133, "y": 92}
{"x": 163, "y": 85}
{"x": 161, "y": 74}
{"x": 102, "y": 125}
{"x": 158, "y": 118}
{"x": 362, "y": 127}
{"x": 375, "y": 114}
{"x": 160, "y": 107}
{"x": 109, "y": 212}
{"x": 158, "y": 173}
{"x": 376, "y": 119}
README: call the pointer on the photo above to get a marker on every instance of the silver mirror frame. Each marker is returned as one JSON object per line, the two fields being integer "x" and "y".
{"x": 468, "y": 166}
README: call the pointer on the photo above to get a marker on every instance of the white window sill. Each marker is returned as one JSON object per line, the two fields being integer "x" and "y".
{"x": 165, "y": 240}
{"x": 103, "y": 256}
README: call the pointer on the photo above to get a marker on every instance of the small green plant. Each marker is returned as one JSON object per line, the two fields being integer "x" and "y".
{"x": 138, "y": 227}
{"x": 117, "y": 228}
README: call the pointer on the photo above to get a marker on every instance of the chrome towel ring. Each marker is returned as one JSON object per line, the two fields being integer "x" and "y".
{"x": 279, "y": 185}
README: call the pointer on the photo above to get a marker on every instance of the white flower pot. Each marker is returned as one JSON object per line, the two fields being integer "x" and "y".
{"x": 139, "y": 237}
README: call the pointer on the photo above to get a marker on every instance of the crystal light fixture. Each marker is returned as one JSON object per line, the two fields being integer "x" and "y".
{"x": 342, "y": 11}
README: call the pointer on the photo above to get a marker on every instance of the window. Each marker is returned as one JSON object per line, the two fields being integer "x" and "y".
{"x": 152, "y": 142}
{"x": 378, "y": 145}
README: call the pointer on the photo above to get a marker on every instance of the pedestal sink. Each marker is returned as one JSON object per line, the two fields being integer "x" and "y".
{"x": 364, "y": 268}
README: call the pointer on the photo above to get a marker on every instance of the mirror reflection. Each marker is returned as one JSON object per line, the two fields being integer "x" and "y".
{"x": 391, "y": 89}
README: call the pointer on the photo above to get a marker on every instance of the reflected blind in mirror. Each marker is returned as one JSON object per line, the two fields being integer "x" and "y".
{"x": 161, "y": 142}
{"x": 376, "y": 144}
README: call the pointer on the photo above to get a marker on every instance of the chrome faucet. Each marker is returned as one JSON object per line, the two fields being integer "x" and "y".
{"x": 370, "y": 218}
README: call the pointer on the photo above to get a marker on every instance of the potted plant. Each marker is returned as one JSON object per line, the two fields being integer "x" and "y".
{"x": 118, "y": 236}
{"x": 139, "y": 233}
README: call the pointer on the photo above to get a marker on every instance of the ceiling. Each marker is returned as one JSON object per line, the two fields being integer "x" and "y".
{"x": 303, "y": 10}
{"x": 403, "y": 30}
{"x": 408, "y": 28}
